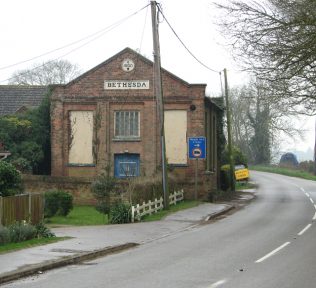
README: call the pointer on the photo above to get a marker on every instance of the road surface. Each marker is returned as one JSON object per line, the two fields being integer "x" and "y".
{"x": 270, "y": 243}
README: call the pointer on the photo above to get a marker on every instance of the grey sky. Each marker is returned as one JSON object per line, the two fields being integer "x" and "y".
{"x": 34, "y": 27}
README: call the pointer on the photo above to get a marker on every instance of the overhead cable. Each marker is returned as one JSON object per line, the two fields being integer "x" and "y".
{"x": 174, "y": 32}
{"x": 95, "y": 36}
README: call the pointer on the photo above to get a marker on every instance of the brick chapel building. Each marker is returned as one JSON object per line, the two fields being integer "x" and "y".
{"x": 108, "y": 116}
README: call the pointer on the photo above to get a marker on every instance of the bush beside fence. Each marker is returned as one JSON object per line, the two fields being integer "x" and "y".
{"x": 24, "y": 207}
{"x": 151, "y": 207}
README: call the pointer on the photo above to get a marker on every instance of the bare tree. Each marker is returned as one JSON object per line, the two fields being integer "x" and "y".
{"x": 51, "y": 72}
{"x": 275, "y": 39}
{"x": 257, "y": 123}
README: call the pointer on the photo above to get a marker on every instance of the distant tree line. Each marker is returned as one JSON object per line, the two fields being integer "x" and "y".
{"x": 275, "y": 41}
{"x": 258, "y": 124}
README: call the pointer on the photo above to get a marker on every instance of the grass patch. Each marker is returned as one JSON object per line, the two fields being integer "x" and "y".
{"x": 80, "y": 216}
{"x": 88, "y": 215}
{"x": 285, "y": 171}
{"x": 244, "y": 185}
{"x": 186, "y": 204}
{"x": 29, "y": 243}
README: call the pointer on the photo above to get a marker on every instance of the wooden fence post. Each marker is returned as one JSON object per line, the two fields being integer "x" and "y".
{"x": 156, "y": 205}
{"x": 137, "y": 207}
{"x": 133, "y": 211}
{"x": 1, "y": 210}
{"x": 30, "y": 209}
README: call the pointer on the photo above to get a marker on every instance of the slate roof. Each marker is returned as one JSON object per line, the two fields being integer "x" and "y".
{"x": 20, "y": 97}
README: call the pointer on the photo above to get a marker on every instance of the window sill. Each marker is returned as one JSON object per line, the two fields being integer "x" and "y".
{"x": 80, "y": 165}
{"x": 126, "y": 139}
{"x": 178, "y": 165}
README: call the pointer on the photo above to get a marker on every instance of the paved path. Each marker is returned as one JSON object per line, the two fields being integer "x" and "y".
{"x": 95, "y": 239}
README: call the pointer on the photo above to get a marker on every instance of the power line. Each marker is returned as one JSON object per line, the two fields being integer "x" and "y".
{"x": 188, "y": 50}
{"x": 95, "y": 36}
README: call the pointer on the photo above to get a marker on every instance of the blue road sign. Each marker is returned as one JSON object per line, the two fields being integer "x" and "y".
{"x": 197, "y": 147}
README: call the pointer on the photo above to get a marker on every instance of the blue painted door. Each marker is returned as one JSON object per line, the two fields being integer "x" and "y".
{"x": 126, "y": 165}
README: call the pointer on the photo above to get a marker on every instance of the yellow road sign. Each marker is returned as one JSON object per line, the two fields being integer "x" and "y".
{"x": 242, "y": 174}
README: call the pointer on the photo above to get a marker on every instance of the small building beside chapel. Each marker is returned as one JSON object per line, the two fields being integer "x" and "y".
{"x": 15, "y": 99}
{"x": 108, "y": 116}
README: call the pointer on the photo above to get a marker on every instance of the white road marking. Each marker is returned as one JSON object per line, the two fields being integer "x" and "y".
{"x": 304, "y": 230}
{"x": 311, "y": 200}
{"x": 315, "y": 206}
{"x": 218, "y": 283}
{"x": 272, "y": 252}
{"x": 314, "y": 218}
{"x": 307, "y": 194}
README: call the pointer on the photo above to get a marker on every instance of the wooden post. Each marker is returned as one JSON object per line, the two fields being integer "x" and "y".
{"x": 133, "y": 211}
{"x": 30, "y": 208}
{"x": 150, "y": 211}
{"x": 315, "y": 151}
{"x": 159, "y": 98}
{"x": 1, "y": 210}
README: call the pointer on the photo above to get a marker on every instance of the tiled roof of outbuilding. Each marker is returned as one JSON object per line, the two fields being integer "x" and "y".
{"x": 15, "y": 97}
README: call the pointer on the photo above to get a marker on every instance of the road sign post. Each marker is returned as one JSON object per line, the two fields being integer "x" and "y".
{"x": 196, "y": 150}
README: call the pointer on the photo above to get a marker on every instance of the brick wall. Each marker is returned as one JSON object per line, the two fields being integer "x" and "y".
{"x": 79, "y": 187}
{"x": 87, "y": 93}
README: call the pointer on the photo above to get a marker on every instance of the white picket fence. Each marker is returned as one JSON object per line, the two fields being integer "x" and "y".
{"x": 151, "y": 207}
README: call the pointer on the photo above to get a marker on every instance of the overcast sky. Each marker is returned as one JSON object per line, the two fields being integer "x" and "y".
{"x": 34, "y": 27}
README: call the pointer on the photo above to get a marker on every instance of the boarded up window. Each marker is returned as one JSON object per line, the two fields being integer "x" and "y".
{"x": 81, "y": 137}
{"x": 176, "y": 131}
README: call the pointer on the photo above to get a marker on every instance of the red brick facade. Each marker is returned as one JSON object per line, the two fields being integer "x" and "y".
{"x": 88, "y": 93}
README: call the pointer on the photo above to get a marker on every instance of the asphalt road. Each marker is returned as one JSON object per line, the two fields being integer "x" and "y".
{"x": 269, "y": 243}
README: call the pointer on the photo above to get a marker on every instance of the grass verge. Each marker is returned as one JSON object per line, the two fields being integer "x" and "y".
{"x": 244, "y": 186}
{"x": 10, "y": 247}
{"x": 285, "y": 171}
{"x": 80, "y": 216}
{"x": 88, "y": 215}
{"x": 186, "y": 204}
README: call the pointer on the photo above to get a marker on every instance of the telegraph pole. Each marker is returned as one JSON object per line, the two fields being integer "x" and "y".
{"x": 159, "y": 99}
{"x": 315, "y": 152}
{"x": 230, "y": 148}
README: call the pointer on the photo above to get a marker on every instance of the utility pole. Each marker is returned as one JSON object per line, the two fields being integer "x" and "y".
{"x": 159, "y": 99}
{"x": 230, "y": 148}
{"x": 315, "y": 151}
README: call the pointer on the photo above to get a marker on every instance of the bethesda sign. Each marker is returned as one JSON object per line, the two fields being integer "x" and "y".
{"x": 124, "y": 85}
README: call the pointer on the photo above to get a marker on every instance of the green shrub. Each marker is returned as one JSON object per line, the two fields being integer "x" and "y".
{"x": 22, "y": 164}
{"x": 4, "y": 235}
{"x": 102, "y": 188}
{"x": 51, "y": 203}
{"x": 103, "y": 207}
{"x": 21, "y": 232}
{"x": 307, "y": 166}
{"x": 143, "y": 189}
{"x": 42, "y": 231}
{"x": 225, "y": 177}
{"x": 65, "y": 203}
{"x": 120, "y": 213}
{"x": 238, "y": 156}
{"x": 32, "y": 152}
{"x": 57, "y": 202}
{"x": 10, "y": 180}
